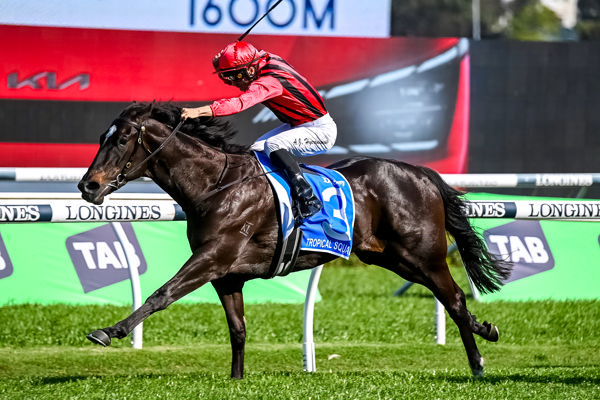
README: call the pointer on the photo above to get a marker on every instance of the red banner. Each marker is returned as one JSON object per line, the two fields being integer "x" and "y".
{"x": 401, "y": 98}
{"x": 110, "y": 65}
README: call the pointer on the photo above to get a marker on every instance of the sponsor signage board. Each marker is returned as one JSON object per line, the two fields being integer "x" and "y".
{"x": 100, "y": 259}
{"x": 553, "y": 259}
{"x": 354, "y": 18}
{"x": 524, "y": 244}
{"x": 84, "y": 263}
{"x": 81, "y": 211}
{"x": 535, "y": 209}
{"x": 414, "y": 92}
{"x": 6, "y": 268}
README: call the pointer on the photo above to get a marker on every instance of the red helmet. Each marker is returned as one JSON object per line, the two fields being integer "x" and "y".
{"x": 235, "y": 56}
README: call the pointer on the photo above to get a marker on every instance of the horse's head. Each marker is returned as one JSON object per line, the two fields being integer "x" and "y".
{"x": 124, "y": 147}
{"x": 129, "y": 146}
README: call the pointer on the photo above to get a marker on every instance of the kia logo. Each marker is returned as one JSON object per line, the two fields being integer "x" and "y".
{"x": 47, "y": 80}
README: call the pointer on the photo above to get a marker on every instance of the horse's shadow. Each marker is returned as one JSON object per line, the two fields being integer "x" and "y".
{"x": 53, "y": 380}
{"x": 490, "y": 379}
{"x": 523, "y": 378}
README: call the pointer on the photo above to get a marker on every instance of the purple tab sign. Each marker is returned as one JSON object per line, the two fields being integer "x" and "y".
{"x": 6, "y": 267}
{"x": 99, "y": 257}
{"x": 524, "y": 244}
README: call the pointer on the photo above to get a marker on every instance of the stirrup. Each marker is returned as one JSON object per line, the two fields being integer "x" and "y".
{"x": 307, "y": 207}
{"x": 308, "y": 203}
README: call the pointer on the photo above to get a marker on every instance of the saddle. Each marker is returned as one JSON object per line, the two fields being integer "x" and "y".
{"x": 329, "y": 230}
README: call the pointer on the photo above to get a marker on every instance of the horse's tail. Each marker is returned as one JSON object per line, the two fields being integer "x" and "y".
{"x": 485, "y": 270}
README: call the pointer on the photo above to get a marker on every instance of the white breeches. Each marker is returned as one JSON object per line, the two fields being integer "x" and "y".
{"x": 310, "y": 138}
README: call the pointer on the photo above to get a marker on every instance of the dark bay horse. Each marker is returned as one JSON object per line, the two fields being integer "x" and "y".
{"x": 403, "y": 214}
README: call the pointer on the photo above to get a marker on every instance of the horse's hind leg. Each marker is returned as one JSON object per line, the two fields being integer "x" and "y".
{"x": 452, "y": 297}
{"x": 230, "y": 294}
{"x": 431, "y": 271}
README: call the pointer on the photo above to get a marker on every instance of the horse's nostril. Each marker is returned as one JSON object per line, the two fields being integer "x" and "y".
{"x": 88, "y": 187}
{"x": 92, "y": 186}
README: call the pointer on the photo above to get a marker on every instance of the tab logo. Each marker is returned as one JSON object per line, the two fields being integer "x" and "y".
{"x": 99, "y": 257}
{"x": 6, "y": 267}
{"x": 524, "y": 244}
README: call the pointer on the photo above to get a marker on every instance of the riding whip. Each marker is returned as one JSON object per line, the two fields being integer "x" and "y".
{"x": 260, "y": 19}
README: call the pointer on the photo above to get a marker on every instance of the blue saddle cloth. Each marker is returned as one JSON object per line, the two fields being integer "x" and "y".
{"x": 329, "y": 230}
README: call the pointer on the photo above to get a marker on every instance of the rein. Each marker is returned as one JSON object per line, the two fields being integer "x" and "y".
{"x": 121, "y": 179}
{"x": 241, "y": 180}
{"x": 219, "y": 188}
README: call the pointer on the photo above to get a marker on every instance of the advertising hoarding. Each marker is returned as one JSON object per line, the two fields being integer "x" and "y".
{"x": 555, "y": 260}
{"x": 399, "y": 98}
{"x": 85, "y": 263}
{"x": 291, "y": 17}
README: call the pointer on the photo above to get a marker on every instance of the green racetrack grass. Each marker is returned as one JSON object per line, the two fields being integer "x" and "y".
{"x": 369, "y": 345}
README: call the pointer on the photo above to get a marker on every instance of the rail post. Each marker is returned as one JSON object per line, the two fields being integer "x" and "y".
{"x": 138, "y": 332}
{"x": 308, "y": 344}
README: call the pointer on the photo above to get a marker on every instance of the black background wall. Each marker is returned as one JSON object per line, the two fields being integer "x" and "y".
{"x": 535, "y": 107}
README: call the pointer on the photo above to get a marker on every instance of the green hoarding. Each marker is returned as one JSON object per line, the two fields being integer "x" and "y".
{"x": 84, "y": 263}
{"x": 556, "y": 260}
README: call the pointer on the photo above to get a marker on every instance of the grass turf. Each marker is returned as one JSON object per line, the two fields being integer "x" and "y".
{"x": 369, "y": 345}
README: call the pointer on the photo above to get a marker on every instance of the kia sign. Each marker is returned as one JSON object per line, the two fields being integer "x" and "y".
{"x": 354, "y": 18}
{"x": 46, "y": 80}
{"x": 100, "y": 259}
{"x": 413, "y": 92}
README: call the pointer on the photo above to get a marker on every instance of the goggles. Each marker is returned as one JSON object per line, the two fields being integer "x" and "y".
{"x": 235, "y": 75}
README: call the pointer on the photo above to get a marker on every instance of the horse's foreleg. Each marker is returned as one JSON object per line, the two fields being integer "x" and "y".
{"x": 197, "y": 271}
{"x": 230, "y": 294}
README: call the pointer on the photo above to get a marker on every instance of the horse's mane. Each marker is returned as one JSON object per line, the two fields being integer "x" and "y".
{"x": 213, "y": 131}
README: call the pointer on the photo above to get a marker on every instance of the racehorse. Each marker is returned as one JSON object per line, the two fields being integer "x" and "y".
{"x": 403, "y": 213}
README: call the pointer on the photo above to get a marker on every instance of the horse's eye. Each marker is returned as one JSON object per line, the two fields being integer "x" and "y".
{"x": 123, "y": 140}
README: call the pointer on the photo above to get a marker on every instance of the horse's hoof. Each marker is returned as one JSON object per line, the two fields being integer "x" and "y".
{"x": 478, "y": 373}
{"x": 477, "y": 370}
{"x": 99, "y": 337}
{"x": 492, "y": 333}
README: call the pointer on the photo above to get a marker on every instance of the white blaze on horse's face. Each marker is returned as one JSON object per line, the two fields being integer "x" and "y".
{"x": 111, "y": 130}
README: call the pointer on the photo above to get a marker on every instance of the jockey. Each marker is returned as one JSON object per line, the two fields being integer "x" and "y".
{"x": 266, "y": 78}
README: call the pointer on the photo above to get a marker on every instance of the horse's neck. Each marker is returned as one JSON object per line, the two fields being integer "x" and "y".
{"x": 188, "y": 172}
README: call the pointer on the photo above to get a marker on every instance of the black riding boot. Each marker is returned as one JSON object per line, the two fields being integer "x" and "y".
{"x": 309, "y": 204}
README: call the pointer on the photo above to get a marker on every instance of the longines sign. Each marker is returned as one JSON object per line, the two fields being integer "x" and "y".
{"x": 574, "y": 210}
{"x": 80, "y": 211}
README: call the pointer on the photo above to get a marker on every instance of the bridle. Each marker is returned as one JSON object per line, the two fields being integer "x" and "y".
{"x": 122, "y": 179}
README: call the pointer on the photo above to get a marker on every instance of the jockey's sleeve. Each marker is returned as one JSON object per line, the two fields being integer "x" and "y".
{"x": 263, "y": 88}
